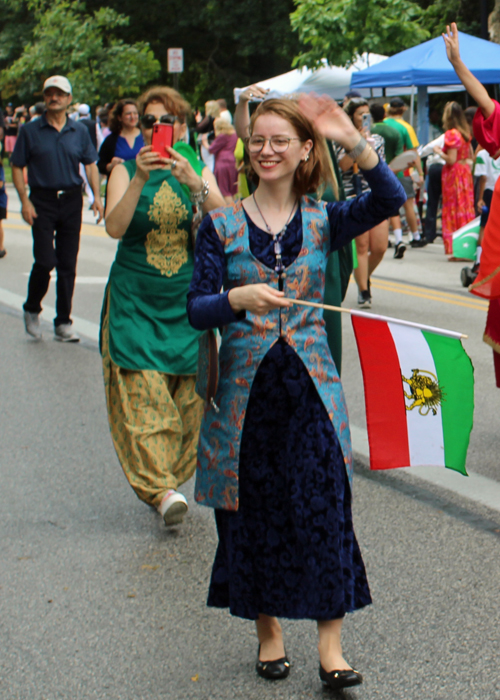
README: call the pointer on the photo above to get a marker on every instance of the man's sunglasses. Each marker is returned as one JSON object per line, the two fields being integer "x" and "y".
{"x": 149, "y": 120}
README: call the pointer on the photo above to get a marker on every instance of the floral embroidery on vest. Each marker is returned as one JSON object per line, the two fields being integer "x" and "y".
{"x": 245, "y": 343}
{"x": 166, "y": 247}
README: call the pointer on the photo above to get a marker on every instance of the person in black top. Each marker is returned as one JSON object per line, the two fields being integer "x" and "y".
{"x": 125, "y": 140}
{"x": 53, "y": 147}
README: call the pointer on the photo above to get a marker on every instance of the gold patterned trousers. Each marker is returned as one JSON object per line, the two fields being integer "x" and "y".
{"x": 154, "y": 420}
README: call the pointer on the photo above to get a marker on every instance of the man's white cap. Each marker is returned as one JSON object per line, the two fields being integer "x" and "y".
{"x": 83, "y": 110}
{"x": 58, "y": 81}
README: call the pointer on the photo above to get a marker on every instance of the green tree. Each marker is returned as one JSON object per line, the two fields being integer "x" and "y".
{"x": 439, "y": 13}
{"x": 340, "y": 30}
{"x": 67, "y": 40}
{"x": 226, "y": 44}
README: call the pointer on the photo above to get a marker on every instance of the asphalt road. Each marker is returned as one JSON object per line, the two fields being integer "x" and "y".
{"x": 99, "y": 600}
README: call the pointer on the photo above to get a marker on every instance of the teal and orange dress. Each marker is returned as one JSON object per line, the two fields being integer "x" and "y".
{"x": 457, "y": 189}
{"x": 149, "y": 350}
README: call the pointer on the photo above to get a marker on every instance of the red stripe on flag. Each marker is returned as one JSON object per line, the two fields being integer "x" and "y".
{"x": 384, "y": 397}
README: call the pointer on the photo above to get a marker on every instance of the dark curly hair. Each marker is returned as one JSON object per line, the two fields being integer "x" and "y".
{"x": 115, "y": 125}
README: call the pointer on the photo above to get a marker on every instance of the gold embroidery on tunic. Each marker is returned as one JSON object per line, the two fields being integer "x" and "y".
{"x": 166, "y": 247}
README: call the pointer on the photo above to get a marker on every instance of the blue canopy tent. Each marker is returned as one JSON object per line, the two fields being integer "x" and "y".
{"x": 426, "y": 65}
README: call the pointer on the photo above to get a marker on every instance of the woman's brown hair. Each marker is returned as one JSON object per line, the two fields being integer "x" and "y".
{"x": 454, "y": 118}
{"x": 115, "y": 125}
{"x": 173, "y": 102}
{"x": 315, "y": 173}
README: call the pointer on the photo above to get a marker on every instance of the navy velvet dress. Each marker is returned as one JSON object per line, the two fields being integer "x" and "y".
{"x": 290, "y": 549}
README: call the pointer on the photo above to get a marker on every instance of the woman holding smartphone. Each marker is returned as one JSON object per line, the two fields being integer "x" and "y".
{"x": 371, "y": 246}
{"x": 148, "y": 348}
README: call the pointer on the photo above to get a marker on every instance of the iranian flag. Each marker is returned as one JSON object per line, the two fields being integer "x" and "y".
{"x": 419, "y": 393}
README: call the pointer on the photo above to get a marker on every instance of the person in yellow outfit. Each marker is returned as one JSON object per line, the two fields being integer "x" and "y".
{"x": 397, "y": 107}
{"x": 149, "y": 350}
{"x": 239, "y": 154}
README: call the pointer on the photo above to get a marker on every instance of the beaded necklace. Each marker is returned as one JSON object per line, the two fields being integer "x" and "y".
{"x": 277, "y": 238}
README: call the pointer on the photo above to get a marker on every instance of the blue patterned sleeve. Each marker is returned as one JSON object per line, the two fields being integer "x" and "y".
{"x": 207, "y": 307}
{"x": 355, "y": 216}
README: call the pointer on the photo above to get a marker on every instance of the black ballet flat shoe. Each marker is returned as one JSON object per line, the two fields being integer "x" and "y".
{"x": 273, "y": 670}
{"x": 340, "y": 679}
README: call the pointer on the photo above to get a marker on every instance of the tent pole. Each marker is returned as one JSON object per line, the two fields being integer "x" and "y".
{"x": 412, "y": 103}
{"x": 423, "y": 115}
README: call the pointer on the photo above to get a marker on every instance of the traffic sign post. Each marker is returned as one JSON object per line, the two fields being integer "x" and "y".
{"x": 175, "y": 64}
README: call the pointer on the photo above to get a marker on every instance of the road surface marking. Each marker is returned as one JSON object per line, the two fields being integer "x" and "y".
{"x": 475, "y": 487}
{"x": 86, "y": 230}
{"x": 79, "y": 279}
{"x": 444, "y": 297}
{"x": 86, "y": 328}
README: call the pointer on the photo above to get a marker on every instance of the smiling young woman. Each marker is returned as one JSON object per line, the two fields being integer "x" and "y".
{"x": 275, "y": 460}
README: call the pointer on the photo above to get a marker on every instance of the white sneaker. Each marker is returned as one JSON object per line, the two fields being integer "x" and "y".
{"x": 65, "y": 333}
{"x": 173, "y": 508}
{"x": 32, "y": 324}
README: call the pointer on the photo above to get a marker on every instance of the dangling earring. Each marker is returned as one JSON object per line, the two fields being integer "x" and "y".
{"x": 306, "y": 158}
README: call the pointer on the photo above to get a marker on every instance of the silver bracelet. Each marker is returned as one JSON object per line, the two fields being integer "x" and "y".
{"x": 358, "y": 150}
{"x": 201, "y": 196}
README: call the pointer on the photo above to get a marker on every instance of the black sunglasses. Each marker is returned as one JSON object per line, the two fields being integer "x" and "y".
{"x": 149, "y": 120}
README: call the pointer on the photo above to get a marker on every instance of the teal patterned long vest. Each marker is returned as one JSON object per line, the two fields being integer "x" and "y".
{"x": 245, "y": 344}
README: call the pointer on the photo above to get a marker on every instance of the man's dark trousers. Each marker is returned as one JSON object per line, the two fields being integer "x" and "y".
{"x": 56, "y": 239}
{"x": 433, "y": 195}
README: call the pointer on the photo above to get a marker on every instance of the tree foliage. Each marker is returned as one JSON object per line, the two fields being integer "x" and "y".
{"x": 67, "y": 40}
{"x": 340, "y": 30}
{"x": 226, "y": 43}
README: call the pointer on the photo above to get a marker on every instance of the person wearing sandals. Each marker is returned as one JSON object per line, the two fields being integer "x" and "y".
{"x": 149, "y": 350}
{"x": 274, "y": 459}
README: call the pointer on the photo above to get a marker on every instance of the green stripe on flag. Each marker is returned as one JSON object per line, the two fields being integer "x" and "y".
{"x": 456, "y": 379}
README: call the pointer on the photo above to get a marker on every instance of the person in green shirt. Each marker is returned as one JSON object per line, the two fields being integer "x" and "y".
{"x": 392, "y": 137}
{"x": 393, "y": 147}
{"x": 149, "y": 349}
{"x": 397, "y": 107}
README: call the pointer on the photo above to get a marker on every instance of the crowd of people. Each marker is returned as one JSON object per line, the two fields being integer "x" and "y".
{"x": 201, "y": 248}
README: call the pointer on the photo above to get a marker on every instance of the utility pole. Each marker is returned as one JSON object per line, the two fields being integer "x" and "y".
{"x": 484, "y": 19}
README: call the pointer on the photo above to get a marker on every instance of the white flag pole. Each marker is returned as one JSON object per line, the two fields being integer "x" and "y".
{"x": 376, "y": 317}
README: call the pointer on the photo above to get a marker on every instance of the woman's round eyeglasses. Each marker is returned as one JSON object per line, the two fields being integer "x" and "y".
{"x": 149, "y": 120}
{"x": 279, "y": 144}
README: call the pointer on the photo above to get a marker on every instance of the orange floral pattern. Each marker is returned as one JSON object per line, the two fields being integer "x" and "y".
{"x": 245, "y": 343}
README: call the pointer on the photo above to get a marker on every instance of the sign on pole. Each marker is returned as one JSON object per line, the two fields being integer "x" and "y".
{"x": 175, "y": 58}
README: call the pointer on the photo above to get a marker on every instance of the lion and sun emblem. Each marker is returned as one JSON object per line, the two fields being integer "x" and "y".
{"x": 426, "y": 394}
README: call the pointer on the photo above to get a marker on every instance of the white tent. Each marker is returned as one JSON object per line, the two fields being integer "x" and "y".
{"x": 329, "y": 80}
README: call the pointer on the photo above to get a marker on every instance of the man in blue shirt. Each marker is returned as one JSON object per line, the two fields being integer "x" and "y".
{"x": 52, "y": 147}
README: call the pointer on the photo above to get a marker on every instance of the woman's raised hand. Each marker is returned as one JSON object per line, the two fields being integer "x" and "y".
{"x": 254, "y": 92}
{"x": 259, "y": 299}
{"x": 148, "y": 160}
{"x": 451, "y": 43}
{"x": 329, "y": 119}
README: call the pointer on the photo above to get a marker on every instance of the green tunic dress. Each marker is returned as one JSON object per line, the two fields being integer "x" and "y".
{"x": 149, "y": 279}
{"x": 149, "y": 350}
